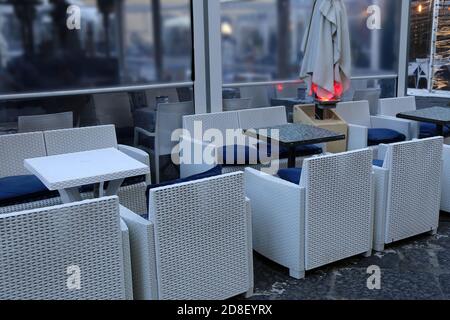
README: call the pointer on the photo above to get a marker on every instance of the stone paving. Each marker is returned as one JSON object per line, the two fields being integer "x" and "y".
{"x": 418, "y": 268}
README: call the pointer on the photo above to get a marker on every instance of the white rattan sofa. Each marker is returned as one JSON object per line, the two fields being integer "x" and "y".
{"x": 197, "y": 242}
{"x": 392, "y": 106}
{"x": 18, "y": 147}
{"x": 326, "y": 217}
{"x": 234, "y": 120}
{"x": 65, "y": 252}
{"x": 365, "y": 130}
{"x": 408, "y": 189}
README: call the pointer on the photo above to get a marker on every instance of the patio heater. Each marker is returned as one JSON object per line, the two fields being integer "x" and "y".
{"x": 322, "y": 105}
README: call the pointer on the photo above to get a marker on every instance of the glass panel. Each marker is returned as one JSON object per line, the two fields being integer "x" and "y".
{"x": 118, "y": 43}
{"x": 420, "y": 42}
{"x": 261, "y": 39}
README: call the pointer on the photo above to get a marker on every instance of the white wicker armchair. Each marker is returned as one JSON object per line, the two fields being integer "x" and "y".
{"x": 326, "y": 218}
{"x": 196, "y": 243}
{"x": 18, "y": 147}
{"x": 40, "y": 246}
{"x": 408, "y": 189}
{"x": 357, "y": 115}
{"x": 235, "y": 120}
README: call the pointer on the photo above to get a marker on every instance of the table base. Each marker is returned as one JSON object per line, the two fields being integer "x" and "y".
{"x": 70, "y": 195}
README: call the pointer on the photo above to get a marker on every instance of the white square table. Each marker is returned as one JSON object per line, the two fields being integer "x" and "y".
{"x": 67, "y": 172}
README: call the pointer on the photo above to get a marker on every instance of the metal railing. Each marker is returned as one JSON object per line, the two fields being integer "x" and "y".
{"x": 60, "y": 93}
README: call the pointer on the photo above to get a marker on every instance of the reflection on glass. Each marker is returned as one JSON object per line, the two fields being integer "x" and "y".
{"x": 262, "y": 39}
{"x": 120, "y": 42}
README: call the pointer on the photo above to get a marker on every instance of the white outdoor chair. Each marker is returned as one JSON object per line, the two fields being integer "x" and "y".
{"x": 101, "y": 137}
{"x": 365, "y": 130}
{"x": 238, "y": 121}
{"x": 393, "y": 106}
{"x": 372, "y": 95}
{"x": 45, "y": 122}
{"x": 236, "y": 104}
{"x": 408, "y": 188}
{"x": 197, "y": 243}
{"x": 151, "y": 96}
{"x": 192, "y": 162}
{"x": 113, "y": 108}
{"x": 15, "y": 148}
{"x": 169, "y": 119}
{"x": 43, "y": 249}
{"x": 259, "y": 96}
{"x": 325, "y": 217}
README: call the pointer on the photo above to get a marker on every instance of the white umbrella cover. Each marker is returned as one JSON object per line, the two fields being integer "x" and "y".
{"x": 326, "y": 63}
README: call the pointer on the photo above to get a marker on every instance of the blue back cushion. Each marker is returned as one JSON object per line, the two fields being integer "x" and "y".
{"x": 378, "y": 163}
{"x": 21, "y": 188}
{"x": 292, "y": 175}
{"x": 386, "y": 136}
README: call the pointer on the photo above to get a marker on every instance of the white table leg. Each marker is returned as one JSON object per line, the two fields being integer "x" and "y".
{"x": 70, "y": 195}
{"x": 113, "y": 187}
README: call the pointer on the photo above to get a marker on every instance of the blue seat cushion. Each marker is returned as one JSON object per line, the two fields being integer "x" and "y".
{"x": 292, "y": 175}
{"x": 379, "y": 136}
{"x": 17, "y": 189}
{"x": 300, "y": 151}
{"x": 378, "y": 163}
{"x": 214, "y": 172}
{"x": 428, "y": 130}
{"x": 236, "y": 156}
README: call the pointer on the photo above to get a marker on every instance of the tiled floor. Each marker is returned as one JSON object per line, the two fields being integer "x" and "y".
{"x": 418, "y": 268}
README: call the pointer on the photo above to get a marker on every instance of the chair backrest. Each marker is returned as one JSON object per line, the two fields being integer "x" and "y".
{"x": 259, "y": 96}
{"x": 355, "y": 112}
{"x": 414, "y": 187}
{"x": 262, "y": 117}
{"x": 15, "y": 148}
{"x": 201, "y": 235}
{"x": 43, "y": 251}
{"x": 372, "y": 95}
{"x": 45, "y": 122}
{"x": 80, "y": 139}
{"x": 338, "y": 212}
{"x": 220, "y": 121}
{"x": 393, "y": 106}
{"x": 169, "y": 118}
{"x": 236, "y": 104}
{"x": 113, "y": 108}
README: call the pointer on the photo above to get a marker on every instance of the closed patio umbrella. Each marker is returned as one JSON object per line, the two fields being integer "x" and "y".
{"x": 327, "y": 61}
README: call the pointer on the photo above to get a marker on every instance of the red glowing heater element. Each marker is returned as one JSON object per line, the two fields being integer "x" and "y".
{"x": 280, "y": 87}
{"x": 323, "y": 95}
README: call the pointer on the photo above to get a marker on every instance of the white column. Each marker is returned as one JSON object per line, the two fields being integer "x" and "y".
{"x": 208, "y": 56}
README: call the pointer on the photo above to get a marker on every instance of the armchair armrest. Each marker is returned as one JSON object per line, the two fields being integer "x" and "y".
{"x": 403, "y": 126}
{"x": 143, "y": 255}
{"x": 277, "y": 218}
{"x": 357, "y": 137}
{"x": 127, "y": 260}
{"x": 138, "y": 155}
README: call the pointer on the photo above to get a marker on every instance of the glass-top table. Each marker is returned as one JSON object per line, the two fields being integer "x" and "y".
{"x": 440, "y": 116}
{"x": 292, "y": 135}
